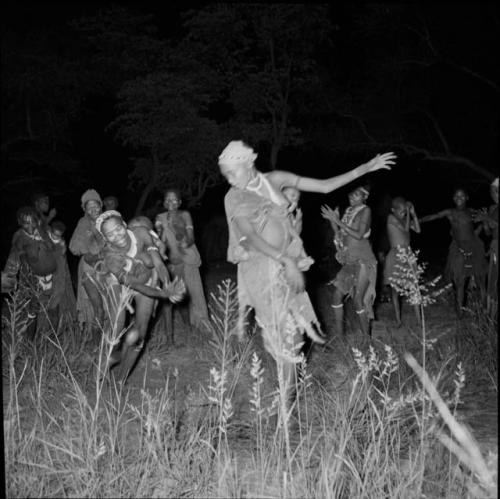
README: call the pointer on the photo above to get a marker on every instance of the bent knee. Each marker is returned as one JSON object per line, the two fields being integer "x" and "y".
{"x": 132, "y": 337}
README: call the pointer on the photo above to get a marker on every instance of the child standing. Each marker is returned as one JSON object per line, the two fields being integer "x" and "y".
{"x": 400, "y": 221}
{"x": 466, "y": 257}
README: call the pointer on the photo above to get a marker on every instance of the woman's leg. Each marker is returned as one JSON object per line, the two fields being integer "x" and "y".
{"x": 338, "y": 310}
{"x": 95, "y": 299}
{"x": 397, "y": 306}
{"x": 362, "y": 284}
{"x": 134, "y": 338}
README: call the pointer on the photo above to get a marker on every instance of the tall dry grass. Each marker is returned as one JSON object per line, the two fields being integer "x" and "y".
{"x": 69, "y": 432}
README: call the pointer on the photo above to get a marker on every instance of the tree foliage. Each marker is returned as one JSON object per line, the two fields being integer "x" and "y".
{"x": 259, "y": 60}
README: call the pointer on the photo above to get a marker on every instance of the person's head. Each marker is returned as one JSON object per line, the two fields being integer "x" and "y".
{"x": 41, "y": 202}
{"x": 236, "y": 163}
{"x": 57, "y": 228}
{"x": 292, "y": 194}
{"x": 172, "y": 198}
{"x": 140, "y": 221}
{"x": 359, "y": 195}
{"x": 110, "y": 203}
{"x": 91, "y": 203}
{"x": 460, "y": 197}
{"x": 494, "y": 190}
{"x": 28, "y": 219}
{"x": 398, "y": 207}
{"x": 112, "y": 227}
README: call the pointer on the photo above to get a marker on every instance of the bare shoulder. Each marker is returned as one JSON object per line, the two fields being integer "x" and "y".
{"x": 185, "y": 214}
{"x": 391, "y": 219}
{"x": 282, "y": 178}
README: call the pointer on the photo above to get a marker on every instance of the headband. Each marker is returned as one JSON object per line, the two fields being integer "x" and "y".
{"x": 104, "y": 216}
{"x": 237, "y": 152}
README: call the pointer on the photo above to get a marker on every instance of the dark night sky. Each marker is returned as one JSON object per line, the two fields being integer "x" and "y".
{"x": 106, "y": 163}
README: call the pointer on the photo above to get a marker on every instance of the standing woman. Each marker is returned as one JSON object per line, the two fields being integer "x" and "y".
{"x": 86, "y": 241}
{"x": 358, "y": 276}
{"x": 489, "y": 220}
{"x": 270, "y": 278}
{"x": 175, "y": 227}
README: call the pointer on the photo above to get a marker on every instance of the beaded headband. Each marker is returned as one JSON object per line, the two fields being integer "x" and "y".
{"x": 237, "y": 152}
{"x": 104, "y": 216}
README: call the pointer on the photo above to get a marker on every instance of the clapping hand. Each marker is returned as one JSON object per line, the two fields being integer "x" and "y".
{"x": 175, "y": 290}
{"x": 329, "y": 214}
{"x": 381, "y": 161}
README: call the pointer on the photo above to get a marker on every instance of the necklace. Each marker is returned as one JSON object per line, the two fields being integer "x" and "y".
{"x": 257, "y": 178}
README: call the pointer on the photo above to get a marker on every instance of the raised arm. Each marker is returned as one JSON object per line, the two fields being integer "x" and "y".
{"x": 324, "y": 186}
{"x": 435, "y": 216}
{"x": 413, "y": 219}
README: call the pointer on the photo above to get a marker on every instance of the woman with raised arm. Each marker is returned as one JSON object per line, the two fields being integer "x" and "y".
{"x": 489, "y": 219}
{"x": 270, "y": 269}
{"x": 466, "y": 257}
{"x": 358, "y": 275}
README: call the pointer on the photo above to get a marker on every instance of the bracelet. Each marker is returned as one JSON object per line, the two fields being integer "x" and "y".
{"x": 152, "y": 248}
{"x": 279, "y": 256}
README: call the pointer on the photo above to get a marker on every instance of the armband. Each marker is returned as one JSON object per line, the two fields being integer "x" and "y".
{"x": 189, "y": 226}
{"x": 152, "y": 248}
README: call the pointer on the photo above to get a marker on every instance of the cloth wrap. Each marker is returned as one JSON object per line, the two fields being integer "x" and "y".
{"x": 261, "y": 281}
{"x": 352, "y": 257}
{"x": 466, "y": 259}
{"x": 85, "y": 240}
{"x": 184, "y": 263}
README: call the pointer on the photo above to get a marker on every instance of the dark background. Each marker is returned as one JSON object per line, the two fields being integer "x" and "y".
{"x": 420, "y": 80}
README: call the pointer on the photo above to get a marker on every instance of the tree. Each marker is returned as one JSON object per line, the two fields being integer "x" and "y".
{"x": 258, "y": 61}
{"x": 429, "y": 93}
{"x": 159, "y": 117}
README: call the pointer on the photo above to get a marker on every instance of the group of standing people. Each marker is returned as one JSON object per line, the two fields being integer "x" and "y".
{"x": 157, "y": 261}
{"x": 160, "y": 260}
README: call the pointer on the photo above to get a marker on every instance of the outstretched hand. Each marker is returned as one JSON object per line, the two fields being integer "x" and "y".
{"x": 329, "y": 214}
{"x": 381, "y": 161}
{"x": 175, "y": 290}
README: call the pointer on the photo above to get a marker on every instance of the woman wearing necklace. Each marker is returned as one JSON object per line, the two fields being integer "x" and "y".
{"x": 33, "y": 259}
{"x": 131, "y": 259}
{"x": 270, "y": 278}
{"x": 358, "y": 276}
{"x": 175, "y": 227}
